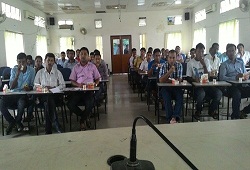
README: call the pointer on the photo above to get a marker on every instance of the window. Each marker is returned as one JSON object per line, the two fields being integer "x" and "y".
{"x": 232, "y": 34}
{"x": 41, "y": 45}
{"x": 99, "y": 45}
{"x": 228, "y": 5}
{"x": 200, "y": 15}
{"x": 172, "y": 40}
{"x": 11, "y": 12}
{"x": 98, "y": 23}
{"x": 39, "y": 21}
{"x": 12, "y": 50}
{"x": 199, "y": 37}
{"x": 142, "y": 21}
{"x": 66, "y": 43}
{"x": 175, "y": 20}
{"x": 143, "y": 41}
{"x": 65, "y": 22}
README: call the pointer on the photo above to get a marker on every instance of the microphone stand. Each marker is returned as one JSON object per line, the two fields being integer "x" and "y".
{"x": 134, "y": 164}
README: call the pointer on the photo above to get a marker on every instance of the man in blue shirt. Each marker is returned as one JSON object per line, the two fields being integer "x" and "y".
{"x": 171, "y": 69}
{"x": 21, "y": 79}
{"x": 153, "y": 71}
{"x": 233, "y": 69}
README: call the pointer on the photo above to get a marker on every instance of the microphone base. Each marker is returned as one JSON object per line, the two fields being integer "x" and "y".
{"x": 126, "y": 165}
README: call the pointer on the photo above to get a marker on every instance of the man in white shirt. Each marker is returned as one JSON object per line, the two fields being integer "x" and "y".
{"x": 195, "y": 68}
{"x": 144, "y": 67}
{"x": 144, "y": 64}
{"x": 214, "y": 61}
{"x": 244, "y": 55}
{"x": 50, "y": 77}
{"x": 132, "y": 58}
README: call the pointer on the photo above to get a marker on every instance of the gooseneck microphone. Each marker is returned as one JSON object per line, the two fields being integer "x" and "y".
{"x": 134, "y": 164}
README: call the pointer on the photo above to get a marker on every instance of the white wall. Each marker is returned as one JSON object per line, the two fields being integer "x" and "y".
{"x": 26, "y": 27}
{"x": 214, "y": 19}
{"x": 155, "y": 30}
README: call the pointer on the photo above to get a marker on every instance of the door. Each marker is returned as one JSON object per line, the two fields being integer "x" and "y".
{"x": 120, "y": 52}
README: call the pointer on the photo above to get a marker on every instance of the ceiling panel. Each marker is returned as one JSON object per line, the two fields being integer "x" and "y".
{"x": 89, "y": 6}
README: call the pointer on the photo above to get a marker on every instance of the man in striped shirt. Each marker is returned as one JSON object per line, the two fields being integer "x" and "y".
{"x": 172, "y": 70}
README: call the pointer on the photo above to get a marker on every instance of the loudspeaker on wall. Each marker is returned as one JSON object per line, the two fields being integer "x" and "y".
{"x": 51, "y": 21}
{"x": 187, "y": 15}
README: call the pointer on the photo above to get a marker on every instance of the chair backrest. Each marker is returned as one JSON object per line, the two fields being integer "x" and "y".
{"x": 6, "y": 73}
{"x": 184, "y": 68}
{"x": 2, "y": 69}
{"x": 59, "y": 66}
{"x": 65, "y": 72}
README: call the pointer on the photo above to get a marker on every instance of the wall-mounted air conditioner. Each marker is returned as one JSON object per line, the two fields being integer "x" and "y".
{"x": 29, "y": 15}
{"x": 65, "y": 26}
{"x": 210, "y": 8}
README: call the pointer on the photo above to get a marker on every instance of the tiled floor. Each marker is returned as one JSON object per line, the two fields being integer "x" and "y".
{"x": 123, "y": 106}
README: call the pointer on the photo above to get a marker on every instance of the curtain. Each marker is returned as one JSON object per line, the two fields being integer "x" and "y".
{"x": 13, "y": 46}
{"x": 99, "y": 45}
{"x": 143, "y": 41}
{"x": 41, "y": 45}
{"x": 172, "y": 40}
{"x": 66, "y": 43}
{"x": 228, "y": 33}
{"x": 199, "y": 37}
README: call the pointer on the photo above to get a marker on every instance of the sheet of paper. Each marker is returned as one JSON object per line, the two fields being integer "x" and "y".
{"x": 55, "y": 90}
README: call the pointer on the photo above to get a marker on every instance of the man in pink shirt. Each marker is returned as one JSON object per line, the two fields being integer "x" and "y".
{"x": 82, "y": 73}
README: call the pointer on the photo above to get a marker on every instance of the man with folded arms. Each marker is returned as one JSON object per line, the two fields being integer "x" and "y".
{"x": 233, "y": 69}
{"x": 83, "y": 73}
{"x": 172, "y": 69}
{"x": 21, "y": 79}
{"x": 50, "y": 77}
{"x": 195, "y": 68}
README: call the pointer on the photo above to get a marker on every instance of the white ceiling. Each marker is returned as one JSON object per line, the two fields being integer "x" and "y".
{"x": 88, "y": 6}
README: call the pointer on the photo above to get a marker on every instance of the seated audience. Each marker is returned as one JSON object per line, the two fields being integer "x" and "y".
{"x": 153, "y": 71}
{"x": 38, "y": 63}
{"x": 180, "y": 56}
{"x": 132, "y": 58}
{"x": 144, "y": 64}
{"x": 71, "y": 62}
{"x": 83, "y": 73}
{"x": 92, "y": 57}
{"x": 195, "y": 68}
{"x": 50, "y": 77}
{"x": 233, "y": 69}
{"x": 77, "y": 55}
{"x": 138, "y": 60}
{"x": 244, "y": 55}
{"x": 172, "y": 69}
{"x": 192, "y": 55}
{"x": 21, "y": 79}
{"x": 214, "y": 62}
{"x": 103, "y": 70}
{"x": 30, "y": 61}
{"x": 62, "y": 60}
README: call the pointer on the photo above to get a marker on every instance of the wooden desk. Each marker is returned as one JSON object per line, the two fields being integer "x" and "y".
{"x": 208, "y": 145}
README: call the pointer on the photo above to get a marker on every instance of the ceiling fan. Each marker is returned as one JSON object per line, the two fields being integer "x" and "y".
{"x": 2, "y": 17}
{"x": 244, "y": 5}
{"x": 83, "y": 31}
